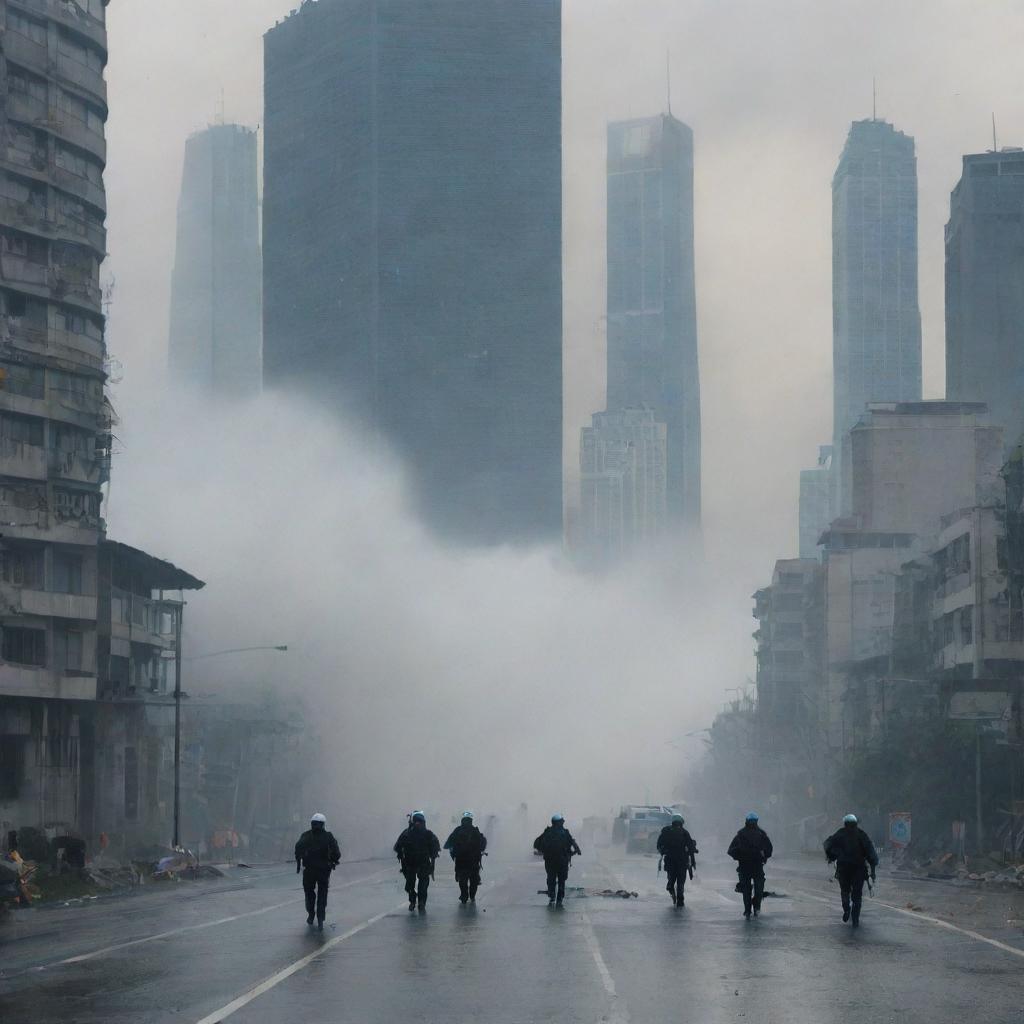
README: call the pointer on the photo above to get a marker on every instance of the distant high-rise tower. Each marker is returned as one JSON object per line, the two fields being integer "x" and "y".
{"x": 652, "y": 307}
{"x": 815, "y": 502}
{"x": 985, "y": 288}
{"x": 413, "y": 243}
{"x": 215, "y": 343}
{"x": 876, "y": 321}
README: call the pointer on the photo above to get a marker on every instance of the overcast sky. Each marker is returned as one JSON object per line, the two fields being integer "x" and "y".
{"x": 769, "y": 88}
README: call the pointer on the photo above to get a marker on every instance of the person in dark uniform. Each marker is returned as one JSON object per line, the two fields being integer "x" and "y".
{"x": 467, "y": 844}
{"x": 751, "y": 848}
{"x": 854, "y": 856}
{"x": 417, "y": 848}
{"x": 316, "y": 854}
{"x": 679, "y": 851}
{"x": 557, "y": 846}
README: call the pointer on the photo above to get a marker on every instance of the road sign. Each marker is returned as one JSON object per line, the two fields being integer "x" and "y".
{"x": 899, "y": 828}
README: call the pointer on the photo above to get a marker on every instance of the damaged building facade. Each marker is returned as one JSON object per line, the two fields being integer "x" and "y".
{"x": 90, "y": 629}
{"x": 910, "y": 614}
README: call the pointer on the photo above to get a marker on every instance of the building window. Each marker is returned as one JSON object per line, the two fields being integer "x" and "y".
{"x": 21, "y": 429}
{"x": 28, "y": 27}
{"x": 67, "y": 573}
{"x": 967, "y": 626}
{"x": 19, "y": 379}
{"x": 24, "y": 646}
{"x": 67, "y": 650}
{"x": 131, "y": 784}
{"x": 29, "y": 85}
{"x": 22, "y": 566}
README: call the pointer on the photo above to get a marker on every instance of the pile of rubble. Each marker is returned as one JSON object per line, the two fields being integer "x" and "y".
{"x": 1009, "y": 876}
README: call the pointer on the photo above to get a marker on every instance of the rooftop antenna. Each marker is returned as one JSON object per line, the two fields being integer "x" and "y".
{"x": 668, "y": 80}
{"x": 995, "y": 145}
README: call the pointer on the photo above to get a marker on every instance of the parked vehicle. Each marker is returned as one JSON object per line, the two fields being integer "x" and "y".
{"x": 639, "y": 825}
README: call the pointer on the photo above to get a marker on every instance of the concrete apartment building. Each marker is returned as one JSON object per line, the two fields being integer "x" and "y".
{"x": 985, "y": 287}
{"x": 652, "y": 307}
{"x": 89, "y": 628}
{"x": 912, "y": 463}
{"x": 215, "y": 346}
{"x": 412, "y": 244}
{"x": 790, "y": 674}
{"x": 815, "y": 502}
{"x": 876, "y": 349}
{"x": 910, "y": 466}
{"x": 623, "y": 481}
{"x": 54, "y": 421}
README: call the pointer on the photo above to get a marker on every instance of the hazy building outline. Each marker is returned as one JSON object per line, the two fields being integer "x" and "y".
{"x": 215, "y": 345}
{"x": 876, "y": 318}
{"x": 815, "y": 503}
{"x": 651, "y": 306}
{"x": 413, "y": 244}
{"x": 985, "y": 287}
{"x": 623, "y": 483}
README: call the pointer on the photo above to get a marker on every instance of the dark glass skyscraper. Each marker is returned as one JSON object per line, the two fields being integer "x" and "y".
{"x": 876, "y": 320}
{"x": 985, "y": 288}
{"x": 652, "y": 307}
{"x": 412, "y": 243}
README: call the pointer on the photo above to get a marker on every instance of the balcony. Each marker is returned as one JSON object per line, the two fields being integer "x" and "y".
{"x": 27, "y": 216}
{"x": 69, "y": 15}
{"x": 48, "y": 604}
{"x": 80, "y": 229}
{"x": 77, "y": 348}
{"x": 141, "y": 620}
{"x": 25, "y": 52}
{"x": 76, "y": 132}
{"x": 81, "y": 188}
{"x": 32, "y": 217}
{"x": 81, "y": 77}
{"x": 27, "y": 681}
{"x": 25, "y": 461}
{"x": 27, "y": 109}
{"x": 77, "y": 466}
{"x": 17, "y": 270}
{"x": 71, "y": 283}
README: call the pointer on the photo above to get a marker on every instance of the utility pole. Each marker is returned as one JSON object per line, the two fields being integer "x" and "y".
{"x": 177, "y": 724}
{"x": 977, "y": 785}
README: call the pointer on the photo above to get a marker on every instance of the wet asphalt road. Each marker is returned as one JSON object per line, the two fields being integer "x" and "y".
{"x": 215, "y": 952}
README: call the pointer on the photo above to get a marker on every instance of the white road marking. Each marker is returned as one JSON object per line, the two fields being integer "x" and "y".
{"x": 590, "y": 937}
{"x": 618, "y": 1014}
{"x": 1004, "y": 946}
{"x": 81, "y": 957}
{"x": 275, "y": 979}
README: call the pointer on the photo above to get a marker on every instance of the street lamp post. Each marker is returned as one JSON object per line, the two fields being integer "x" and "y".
{"x": 177, "y": 722}
{"x": 177, "y": 706}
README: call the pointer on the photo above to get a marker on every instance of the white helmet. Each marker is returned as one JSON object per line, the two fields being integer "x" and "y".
{"x": 467, "y": 814}
{"x": 318, "y": 817}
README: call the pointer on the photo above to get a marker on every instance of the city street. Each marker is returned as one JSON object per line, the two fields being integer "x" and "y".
{"x": 240, "y": 950}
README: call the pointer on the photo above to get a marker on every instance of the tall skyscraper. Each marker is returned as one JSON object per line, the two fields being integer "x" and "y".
{"x": 216, "y": 325}
{"x": 876, "y": 321}
{"x": 985, "y": 288}
{"x": 413, "y": 243}
{"x": 652, "y": 307}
